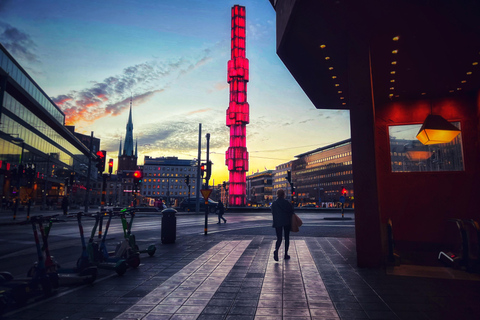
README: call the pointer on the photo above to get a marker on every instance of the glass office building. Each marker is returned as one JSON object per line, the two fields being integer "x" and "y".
{"x": 39, "y": 156}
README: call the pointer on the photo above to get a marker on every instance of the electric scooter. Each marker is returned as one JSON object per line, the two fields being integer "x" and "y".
{"x": 127, "y": 232}
{"x": 122, "y": 251}
{"x": 43, "y": 280}
{"x": 66, "y": 276}
{"x": 96, "y": 253}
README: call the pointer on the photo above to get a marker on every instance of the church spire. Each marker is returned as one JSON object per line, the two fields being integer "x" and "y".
{"x": 128, "y": 146}
{"x": 120, "y": 148}
{"x": 136, "y": 148}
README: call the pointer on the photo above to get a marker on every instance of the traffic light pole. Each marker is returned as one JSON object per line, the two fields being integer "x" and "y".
{"x": 87, "y": 192}
{"x": 207, "y": 177}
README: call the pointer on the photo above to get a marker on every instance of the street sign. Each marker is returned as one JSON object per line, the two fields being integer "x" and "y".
{"x": 342, "y": 199}
{"x": 206, "y": 193}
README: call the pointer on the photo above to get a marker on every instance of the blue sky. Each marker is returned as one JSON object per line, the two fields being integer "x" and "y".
{"x": 171, "y": 56}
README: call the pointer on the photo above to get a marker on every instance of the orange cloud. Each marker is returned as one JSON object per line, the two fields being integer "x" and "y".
{"x": 199, "y": 111}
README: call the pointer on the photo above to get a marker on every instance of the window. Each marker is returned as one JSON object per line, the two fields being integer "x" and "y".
{"x": 407, "y": 154}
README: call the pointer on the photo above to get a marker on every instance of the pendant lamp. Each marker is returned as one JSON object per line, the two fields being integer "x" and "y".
{"x": 436, "y": 129}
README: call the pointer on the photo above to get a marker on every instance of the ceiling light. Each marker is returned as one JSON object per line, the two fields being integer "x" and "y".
{"x": 396, "y": 38}
{"x": 392, "y": 72}
{"x": 395, "y": 51}
{"x": 436, "y": 129}
{"x": 337, "y": 85}
{"x": 322, "y": 46}
{"x": 394, "y": 62}
{"x": 474, "y": 64}
{"x": 334, "y": 77}
{"x": 327, "y": 58}
{"x": 464, "y": 81}
{"x": 392, "y": 88}
{"x": 339, "y": 92}
{"x": 331, "y": 68}
{"x": 393, "y": 80}
{"x": 469, "y": 72}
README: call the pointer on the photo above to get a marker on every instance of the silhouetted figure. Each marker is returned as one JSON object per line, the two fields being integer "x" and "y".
{"x": 221, "y": 211}
{"x": 282, "y": 211}
{"x": 65, "y": 205}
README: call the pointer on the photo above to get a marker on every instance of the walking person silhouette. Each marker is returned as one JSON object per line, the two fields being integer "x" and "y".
{"x": 282, "y": 212}
{"x": 221, "y": 210}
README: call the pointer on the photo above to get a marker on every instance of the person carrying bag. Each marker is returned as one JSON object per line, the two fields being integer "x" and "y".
{"x": 282, "y": 211}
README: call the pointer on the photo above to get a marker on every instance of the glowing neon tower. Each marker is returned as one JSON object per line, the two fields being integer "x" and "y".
{"x": 236, "y": 157}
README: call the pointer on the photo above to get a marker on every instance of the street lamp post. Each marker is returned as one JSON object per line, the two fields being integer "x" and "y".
{"x": 19, "y": 172}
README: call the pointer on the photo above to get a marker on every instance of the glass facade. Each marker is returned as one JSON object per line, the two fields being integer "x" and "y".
{"x": 33, "y": 135}
{"x": 320, "y": 175}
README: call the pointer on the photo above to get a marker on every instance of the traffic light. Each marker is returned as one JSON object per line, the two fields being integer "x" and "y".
{"x": 137, "y": 177}
{"x": 101, "y": 154}
{"x": 289, "y": 176}
{"x": 30, "y": 174}
{"x": 209, "y": 170}
{"x": 344, "y": 191}
{"x": 110, "y": 166}
{"x": 202, "y": 169}
{"x": 187, "y": 180}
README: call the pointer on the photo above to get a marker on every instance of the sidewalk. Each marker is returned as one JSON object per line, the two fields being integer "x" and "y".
{"x": 234, "y": 276}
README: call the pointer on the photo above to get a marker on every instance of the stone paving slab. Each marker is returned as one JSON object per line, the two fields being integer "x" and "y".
{"x": 235, "y": 277}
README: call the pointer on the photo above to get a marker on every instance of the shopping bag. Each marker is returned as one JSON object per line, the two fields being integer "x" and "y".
{"x": 296, "y": 223}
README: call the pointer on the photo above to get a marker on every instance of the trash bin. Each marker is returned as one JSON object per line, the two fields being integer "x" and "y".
{"x": 169, "y": 225}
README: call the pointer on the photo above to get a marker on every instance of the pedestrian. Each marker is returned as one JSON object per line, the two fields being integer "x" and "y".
{"x": 282, "y": 212}
{"x": 221, "y": 211}
{"x": 65, "y": 205}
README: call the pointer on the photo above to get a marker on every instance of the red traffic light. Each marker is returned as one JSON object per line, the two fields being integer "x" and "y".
{"x": 110, "y": 163}
{"x": 137, "y": 174}
{"x": 344, "y": 191}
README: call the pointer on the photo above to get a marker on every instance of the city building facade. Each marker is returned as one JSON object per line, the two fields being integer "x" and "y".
{"x": 322, "y": 175}
{"x": 280, "y": 180}
{"x": 164, "y": 180}
{"x": 38, "y": 154}
{"x": 260, "y": 188}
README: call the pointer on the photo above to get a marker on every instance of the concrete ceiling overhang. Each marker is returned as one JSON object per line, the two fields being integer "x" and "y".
{"x": 438, "y": 48}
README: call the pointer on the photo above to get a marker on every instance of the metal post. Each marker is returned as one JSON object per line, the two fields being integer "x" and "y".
{"x": 19, "y": 175}
{"x": 87, "y": 193}
{"x": 199, "y": 160}
{"x": 206, "y": 185}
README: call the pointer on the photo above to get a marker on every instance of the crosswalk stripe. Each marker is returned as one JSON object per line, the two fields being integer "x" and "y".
{"x": 298, "y": 283}
{"x": 189, "y": 290}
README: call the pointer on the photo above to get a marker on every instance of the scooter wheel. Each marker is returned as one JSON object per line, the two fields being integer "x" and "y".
{"x": 46, "y": 286}
{"x": 151, "y": 250}
{"x": 134, "y": 261}
{"x": 90, "y": 274}
{"x": 54, "y": 280}
{"x": 121, "y": 267}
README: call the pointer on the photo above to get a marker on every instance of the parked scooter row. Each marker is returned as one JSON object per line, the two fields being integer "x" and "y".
{"x": 46, "y": 275}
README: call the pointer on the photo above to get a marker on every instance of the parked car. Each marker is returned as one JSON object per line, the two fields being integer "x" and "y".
{"x": 190, "y": 205}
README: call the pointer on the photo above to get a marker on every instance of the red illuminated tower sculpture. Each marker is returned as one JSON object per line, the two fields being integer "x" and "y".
{"x": 236, "y": 157}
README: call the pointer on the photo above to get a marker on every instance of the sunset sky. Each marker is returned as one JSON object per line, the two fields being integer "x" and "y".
{"x": 171, "y": 57}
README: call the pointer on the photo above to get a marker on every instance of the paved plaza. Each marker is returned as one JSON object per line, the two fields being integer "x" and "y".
{"x": 226, "y": 276}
